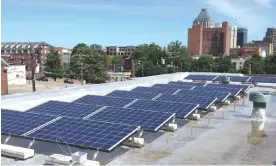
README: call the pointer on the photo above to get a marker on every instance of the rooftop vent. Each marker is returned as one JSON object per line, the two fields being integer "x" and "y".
{"x": 259, "y": 105}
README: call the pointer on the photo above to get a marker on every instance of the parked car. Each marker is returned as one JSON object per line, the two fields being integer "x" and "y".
{"x": 42, "y": 78}
{"x": 68, "y": 81}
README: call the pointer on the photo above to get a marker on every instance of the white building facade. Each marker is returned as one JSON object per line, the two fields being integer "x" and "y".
{"x": 17, "y": 75}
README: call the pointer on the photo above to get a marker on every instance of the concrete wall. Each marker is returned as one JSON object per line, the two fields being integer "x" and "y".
{"x": 17, "y": 75}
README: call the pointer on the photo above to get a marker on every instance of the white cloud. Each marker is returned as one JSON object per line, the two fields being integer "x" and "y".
{"x": 265, "y": 3}
{"x": 247, "y": 16}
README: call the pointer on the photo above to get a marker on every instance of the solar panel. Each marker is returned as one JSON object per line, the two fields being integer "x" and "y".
{"x": 244, "y": 88}
{"x": 64, "y": 109}
{"x": 233, "y": 91}
{"x": 234, "y": 78}
{"x": 103, "y": 100}
{"x": 221, "y": 96}
{"x": 261, "y": 79}
{"x": 173, "y": 86}
{"x": 18, "y": 123}
{"x": 133, "y": 94}
{"x": 155, "y": 90}
{"x": 187, "y": 83}
{"x": 201, "y": 77}
{"x": 204, "y": 102}
{"x": 85, "y": 133}
{"x": 182, "y": 110}
{"x": 148, "y": 120}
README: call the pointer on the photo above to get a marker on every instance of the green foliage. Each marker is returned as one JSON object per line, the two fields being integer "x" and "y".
{"x": 203, "y": 64}
{"x": 53, "y": 64}
{"x": 257, "y": 65}
{"x": 88, "y": 61}
{"x": 270, "y": 64}
{"x": 224, "y": 65}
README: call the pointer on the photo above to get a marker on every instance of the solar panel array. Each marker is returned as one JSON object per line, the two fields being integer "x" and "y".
{"x": 155, "y": 90}
{"x": 18, "y": 123}
{"x": 85, "y": 133}
{"x": 204, "y": 102}
{"x": 261, "y": 79}
{"x": 233, "y": 91}
{"x": 148, "y": 120}
{"x": 234, "y": 78}
{"x": 64, "y": 109}
{"x": 188, "y": 87}
{"x": 200, "y": 77}
{"x": 182, "y": 110}
{"x": 221, "y": 96}
{"x": 78, "y": 132}
{"x": 103, "y": 100}
{"x": 187, "y": 83}
{"x": 133, "y": 94}
{"x": 244, "y": 88}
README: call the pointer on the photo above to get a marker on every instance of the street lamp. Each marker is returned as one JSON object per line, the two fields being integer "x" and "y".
{"x": 139, "y": 63}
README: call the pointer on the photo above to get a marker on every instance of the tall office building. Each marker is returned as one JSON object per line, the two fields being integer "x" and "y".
{"x": 271, "y": 34}
{"x": 205, "y": 39}
{"x": 241, "y": 36}
{"x": 233, "y": 37}
{"x": 204, "y": 19}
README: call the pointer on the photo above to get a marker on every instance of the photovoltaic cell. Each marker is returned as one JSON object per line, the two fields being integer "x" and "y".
{"x": 103, "y": 100}
{"x": 221, "y": 96}
{"x": 201, "y": 77}
{"x": 133, "y": 94}
{"x": 204, "y": 102}
{"x": 64, "y": 109}
{"x": 187, "y": 83}
{"x": 18, "y": 123}
{"x": 233, "y": 91}
{"x": 148, "y": 120}
{"x": 155, "y": 90}
{"x": 85, "y": 133}
{"x": 188, "y": 87}
{"x": 182, "y": 110}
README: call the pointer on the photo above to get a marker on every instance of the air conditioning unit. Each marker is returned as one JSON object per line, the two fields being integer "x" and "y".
{"x": 16, "y": 152}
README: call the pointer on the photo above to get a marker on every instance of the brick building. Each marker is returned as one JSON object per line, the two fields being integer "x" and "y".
{"x": 209, "y": 41}
{"x": 271, "y": 33}
{"x": 4, "y": 77}
{"x": 25, "y": 53}
{"x": 64, "y": 53}
{"x": 259, "y": 44}
{"x": 244, "y": 52}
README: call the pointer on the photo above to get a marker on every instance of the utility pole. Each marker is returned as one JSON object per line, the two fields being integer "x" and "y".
{"x": 33, "y": 72}
{"x": 249, "y": 71}
{"x": 142, "y": 70}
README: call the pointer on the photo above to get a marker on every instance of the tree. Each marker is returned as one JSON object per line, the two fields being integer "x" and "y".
{"x": 204, "y": 64}
{"x": 88, "y": 63}
{"x": 256, "y": 64}
{"x": 270, "y": 64}
{"x": 178, "y": 56}
{"x": 223, "y": 64}
{"x": 53, "y": 64}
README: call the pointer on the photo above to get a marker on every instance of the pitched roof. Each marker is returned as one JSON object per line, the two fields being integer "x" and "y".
{"x": 203, "y": 16}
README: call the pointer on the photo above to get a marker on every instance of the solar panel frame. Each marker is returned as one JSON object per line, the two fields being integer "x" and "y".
{"x": 234, "y": 78}
{"x": 155, "y": 90}
{"x": 132, "y": 94}
{"x": 148, "y": 120}
{"x": 72, "y": 131}
{"x": 222, "y": 96}
{"x": 204, "y": 102}
{"x": 181, "y": 110}
{"x": 65, "y": 109}
{"x": 104, "y": 100}
{"x": 244, "y": 88}
{"x": 18, "y": 123}
{"x": 262, "y": 79}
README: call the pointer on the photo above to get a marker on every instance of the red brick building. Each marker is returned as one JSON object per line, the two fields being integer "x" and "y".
{"x": 203, "y": 38}
{"x": 4, "y": 77}
{"x": 25, "y": 53}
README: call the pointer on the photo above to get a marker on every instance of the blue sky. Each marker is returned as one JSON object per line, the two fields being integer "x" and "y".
{"x": 125, "y": 22}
